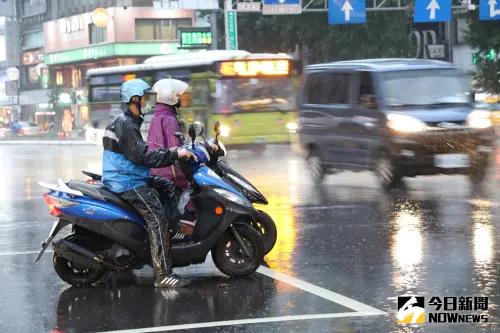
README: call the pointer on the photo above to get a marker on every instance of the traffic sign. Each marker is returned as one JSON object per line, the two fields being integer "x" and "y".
{"x": 432, "y": 11}
{"x": 277, "y": 7}
{"x": 489, "y": 9}
{"x": 346, "y": 11}
{"x": 195, "y": 38}
{"x": 231, "y": 30}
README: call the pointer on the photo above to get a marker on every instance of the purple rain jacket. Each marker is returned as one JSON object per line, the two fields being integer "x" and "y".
{"x": 162, "y": 130}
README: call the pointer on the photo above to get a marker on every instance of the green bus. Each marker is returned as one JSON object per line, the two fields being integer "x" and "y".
{"x": 252, "y": 95}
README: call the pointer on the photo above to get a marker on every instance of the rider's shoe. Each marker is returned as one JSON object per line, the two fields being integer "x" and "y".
{"x": 171, "y": 281}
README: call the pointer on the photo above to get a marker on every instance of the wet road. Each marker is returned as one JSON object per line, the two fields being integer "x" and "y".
{"x": 344, "y": 248}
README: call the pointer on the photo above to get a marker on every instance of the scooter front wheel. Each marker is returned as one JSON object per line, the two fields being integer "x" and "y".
{"x": 229, "y": 256}
{"x": 267, "y": 228}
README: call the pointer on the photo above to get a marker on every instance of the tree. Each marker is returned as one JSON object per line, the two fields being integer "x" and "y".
{"x": 484, "y": 38}
{"x": 384, "y": 35}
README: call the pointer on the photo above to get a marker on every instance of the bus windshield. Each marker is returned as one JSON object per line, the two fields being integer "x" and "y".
{"x": 255, "y": 95}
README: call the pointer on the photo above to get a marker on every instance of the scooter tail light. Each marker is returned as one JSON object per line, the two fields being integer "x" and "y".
{"x": 56, "y": 204}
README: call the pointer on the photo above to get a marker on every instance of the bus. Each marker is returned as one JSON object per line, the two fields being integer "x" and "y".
{"x": 252, "y": 95}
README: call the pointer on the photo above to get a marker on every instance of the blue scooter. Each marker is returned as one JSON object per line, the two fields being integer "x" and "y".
{"x": 108, "y": 235}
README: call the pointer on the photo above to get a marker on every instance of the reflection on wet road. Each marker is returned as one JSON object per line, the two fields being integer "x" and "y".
{"x": 434, "y": 237}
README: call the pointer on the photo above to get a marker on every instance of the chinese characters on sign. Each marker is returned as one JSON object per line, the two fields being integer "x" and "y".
{"x": 448, "y": 309}
{"x": 195, "y": 38}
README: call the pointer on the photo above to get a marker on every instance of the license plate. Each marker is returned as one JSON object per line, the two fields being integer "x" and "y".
{"x": 450, "y": 161}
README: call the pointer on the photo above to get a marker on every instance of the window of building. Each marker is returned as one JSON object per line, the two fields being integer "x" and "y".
{"x": 33, "y": 7}
{"x": 328, "y": 88}
{"x": 33, "y": 40}
{"x": 159, "y": 29}
{"x": 96, "y": 34}
{"x": 76, "y": 78}
{"x": 59, "y": 78}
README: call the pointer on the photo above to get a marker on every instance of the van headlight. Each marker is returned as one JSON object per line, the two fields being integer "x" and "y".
{"x": 479, "y": 119}
{"x": 224, "y": 130}
{"x": 232, "y": 197}
{"x": 405, "y": 124}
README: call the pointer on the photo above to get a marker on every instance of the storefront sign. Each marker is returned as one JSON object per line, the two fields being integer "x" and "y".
{"x": 195, "y": 38}
{"x": 110, "y": 50}
{"x": 32, "y": 58}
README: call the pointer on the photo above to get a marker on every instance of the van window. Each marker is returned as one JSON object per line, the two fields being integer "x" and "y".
{"x": 327, "y": 88}
{"x": 367, "y": 96}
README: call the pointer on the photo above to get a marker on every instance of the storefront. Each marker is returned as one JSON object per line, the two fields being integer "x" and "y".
{"x": 130, "y": 36}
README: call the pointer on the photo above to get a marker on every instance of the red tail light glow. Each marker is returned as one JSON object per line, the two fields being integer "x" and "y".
{"x": 56, "y": 204}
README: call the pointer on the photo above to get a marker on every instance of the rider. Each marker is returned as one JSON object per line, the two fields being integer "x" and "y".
{"x": 126, "y": 164}
{"x": 165, "y": 130}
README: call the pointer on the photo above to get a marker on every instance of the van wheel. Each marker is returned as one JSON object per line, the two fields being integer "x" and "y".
{"x": 317, "y": 169}
{"x": 388, "y": 174}
{"x": 478, "y": 170}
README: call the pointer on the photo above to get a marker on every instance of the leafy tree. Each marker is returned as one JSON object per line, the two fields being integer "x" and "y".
{"x": 384, "y": 35}
{"x": 484, "y": 38}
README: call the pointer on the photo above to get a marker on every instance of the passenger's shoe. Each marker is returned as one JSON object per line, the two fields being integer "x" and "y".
{"x": 171, "y": 281}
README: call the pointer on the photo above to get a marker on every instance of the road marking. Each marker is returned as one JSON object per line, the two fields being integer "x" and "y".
{"x": 321, "y": 292}
{"x": 2, "y": 254}
{"x": 242, "y": 322}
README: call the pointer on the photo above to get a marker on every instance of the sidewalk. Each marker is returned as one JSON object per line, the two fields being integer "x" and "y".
{"x": 46, "y": 142}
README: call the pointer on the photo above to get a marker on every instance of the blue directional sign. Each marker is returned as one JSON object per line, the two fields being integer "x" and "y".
{"x": 346, "y": 11}
{"x": 432, "y": 11}
{"x": 489, "y": 9}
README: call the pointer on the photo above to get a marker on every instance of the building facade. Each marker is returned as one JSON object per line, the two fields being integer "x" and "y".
{"x": 58, "y": 43}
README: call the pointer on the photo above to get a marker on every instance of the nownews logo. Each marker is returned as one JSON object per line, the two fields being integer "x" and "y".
{"x": 449, "y": 309}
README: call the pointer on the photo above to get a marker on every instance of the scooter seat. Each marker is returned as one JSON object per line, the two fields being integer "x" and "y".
{"x": 100, "y": 192}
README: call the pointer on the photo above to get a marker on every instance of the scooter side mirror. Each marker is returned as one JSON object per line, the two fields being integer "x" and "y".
{"x": 217, "y": 131}
{"x": 217, "y": 127}
{"x": 192, "y": 132}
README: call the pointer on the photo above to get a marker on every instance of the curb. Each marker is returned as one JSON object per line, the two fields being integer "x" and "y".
{"x": 48, "y": 142}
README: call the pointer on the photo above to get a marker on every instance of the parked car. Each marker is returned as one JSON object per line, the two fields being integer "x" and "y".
{"x": 5, "y": 132}
{"x": 24, "y": 128}
{"x": 397, "y": 117}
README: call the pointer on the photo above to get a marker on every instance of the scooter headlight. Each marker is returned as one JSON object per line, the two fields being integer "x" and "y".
{"x": 241, "y": 182}
{"x": 232, "y": 197}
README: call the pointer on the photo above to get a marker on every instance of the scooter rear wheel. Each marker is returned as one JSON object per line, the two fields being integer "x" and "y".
{"x": 74, "y": 274}
{"x": 229, "y": 257}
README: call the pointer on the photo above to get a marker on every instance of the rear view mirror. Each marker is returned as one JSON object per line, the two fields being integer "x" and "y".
{"x": 217, "y": 127}
{"x": 192, "y": 132}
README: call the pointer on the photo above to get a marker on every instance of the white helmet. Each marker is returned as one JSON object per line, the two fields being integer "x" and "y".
{"x": 169, "y": 91}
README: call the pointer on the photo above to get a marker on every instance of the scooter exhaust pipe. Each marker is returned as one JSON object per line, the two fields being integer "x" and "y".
{"x": 79, "y": 255}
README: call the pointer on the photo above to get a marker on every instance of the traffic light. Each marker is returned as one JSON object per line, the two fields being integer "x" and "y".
{"x": 475, "y": 58}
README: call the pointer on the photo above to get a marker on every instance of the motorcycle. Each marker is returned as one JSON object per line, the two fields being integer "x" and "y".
{"x": 108, "y": 235}
{"x": 262, "y": 222}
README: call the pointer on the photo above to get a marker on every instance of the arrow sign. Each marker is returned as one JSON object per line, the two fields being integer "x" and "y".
{"x": 433, "y": 5}
{"x": 432, "y": 10}
{"x": 493, "y": 12}
{"x": 347, "y": 9}
{"x": 489, "y": 10}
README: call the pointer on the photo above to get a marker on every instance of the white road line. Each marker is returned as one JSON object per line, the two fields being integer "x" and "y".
{"x": 321, "y": 292}
{"x": 22, "y": 252}
{"x": 243, "y": 322}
